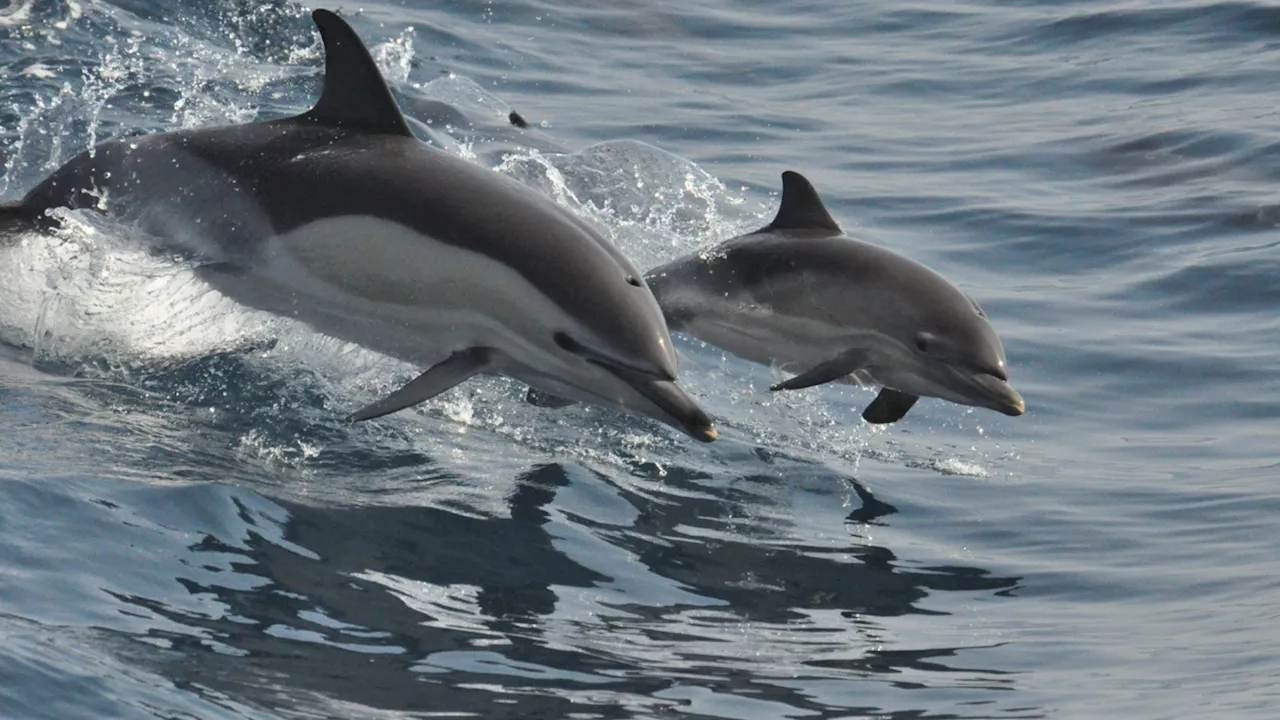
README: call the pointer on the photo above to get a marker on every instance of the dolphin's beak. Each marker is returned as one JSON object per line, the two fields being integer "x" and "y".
{"x": 677, "y": 408}
{"x": 999, "y": 395}
{"x": 676, "y": 404}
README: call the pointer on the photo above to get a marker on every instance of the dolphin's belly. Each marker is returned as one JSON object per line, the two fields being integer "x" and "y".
{"x": 422, "y": 339}
{"x": 386, "y": 287}
{"x": 787, "y": 343}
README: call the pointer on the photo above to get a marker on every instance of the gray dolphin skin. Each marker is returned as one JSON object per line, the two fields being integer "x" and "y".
{"x": 340, "y": 218}
{"x": 802, "y": 296}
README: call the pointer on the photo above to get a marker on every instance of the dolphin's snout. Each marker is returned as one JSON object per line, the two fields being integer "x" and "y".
{"x": 1016, "y": 406}
{"x": 680, "y": 409}
{"x": 1001, "y": 396}
{"x": 675, "y": 407}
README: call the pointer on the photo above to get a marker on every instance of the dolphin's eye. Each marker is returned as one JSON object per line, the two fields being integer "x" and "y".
{"x": 922, "y": 343}
{"x": 568, "y": 344}
{"x": 633, "y": 280}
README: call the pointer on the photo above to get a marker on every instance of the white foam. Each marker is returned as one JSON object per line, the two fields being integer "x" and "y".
{"x": 38, "y": 70}
{"x": 17, "y": 13}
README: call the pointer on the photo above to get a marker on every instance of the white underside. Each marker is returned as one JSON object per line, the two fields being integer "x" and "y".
{"x": 792, "y": 345}
{"x": 391, "y": 289}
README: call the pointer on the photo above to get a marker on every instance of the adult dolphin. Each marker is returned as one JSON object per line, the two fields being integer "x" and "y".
{"x": 800, "y": 295}
{"x": 340, "y": 218}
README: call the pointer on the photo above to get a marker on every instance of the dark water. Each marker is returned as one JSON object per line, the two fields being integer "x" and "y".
{"x": 187, "y": 530}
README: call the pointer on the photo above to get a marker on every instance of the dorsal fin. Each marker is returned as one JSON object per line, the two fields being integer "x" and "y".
{"x": 801, "y": 208}
{"x": 355, "y": 96}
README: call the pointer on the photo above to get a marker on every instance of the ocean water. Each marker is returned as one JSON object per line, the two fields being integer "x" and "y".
{"x": 188, "y": 530}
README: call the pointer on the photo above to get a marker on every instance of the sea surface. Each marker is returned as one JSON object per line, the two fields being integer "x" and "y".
{"x": 189, "y": 530}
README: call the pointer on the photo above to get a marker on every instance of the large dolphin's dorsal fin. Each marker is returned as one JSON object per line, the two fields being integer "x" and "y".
{"x": 801, "y": 208}
{"x": 355, "y": 95}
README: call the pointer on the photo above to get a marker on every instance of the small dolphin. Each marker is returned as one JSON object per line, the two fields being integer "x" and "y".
{"x": 802, "y": 296}
{"x": 340, "y": 218}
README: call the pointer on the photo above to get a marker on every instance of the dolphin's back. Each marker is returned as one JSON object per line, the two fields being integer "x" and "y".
{"x": 124, "y": 174}
{"x": 800, "y": 266}
{"x": 797, "y": 274}
{"x": 808, "y": 274}
{"x": 206, "y": 176}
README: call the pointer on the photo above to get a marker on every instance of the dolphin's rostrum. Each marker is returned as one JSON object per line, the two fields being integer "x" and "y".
{"x": 802, "y": 296}
{"x": 340, "y": 218}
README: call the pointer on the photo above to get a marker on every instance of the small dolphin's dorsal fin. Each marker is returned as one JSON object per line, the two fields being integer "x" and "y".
{"x": 801, "y": 208}
{"x": 355, "y": 96}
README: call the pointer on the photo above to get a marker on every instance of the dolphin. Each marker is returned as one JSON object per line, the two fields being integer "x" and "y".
{"x": 340, "y": 218}
{"x": 802, "y": 296}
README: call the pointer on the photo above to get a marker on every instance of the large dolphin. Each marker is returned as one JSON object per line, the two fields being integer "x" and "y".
{"x": 802, "y": 296}
{"x": 340, "y": 218}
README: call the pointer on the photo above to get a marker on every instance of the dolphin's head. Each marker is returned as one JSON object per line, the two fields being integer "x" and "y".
{"x": 606, "y": 343}
{"x": 945, "y": 347}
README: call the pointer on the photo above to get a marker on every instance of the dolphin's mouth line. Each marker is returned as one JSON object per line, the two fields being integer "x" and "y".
{"x": 1001, "y": 393}
{"x": 629, "y": 373}
{"x": 996, "y": 373}
{"x": 608, "y": 363}
{"x": 694, "y": 420}
{"x": 641, "y": 381}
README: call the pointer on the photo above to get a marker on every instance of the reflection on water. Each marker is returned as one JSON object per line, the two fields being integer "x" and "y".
{"x": 415, "y": 608}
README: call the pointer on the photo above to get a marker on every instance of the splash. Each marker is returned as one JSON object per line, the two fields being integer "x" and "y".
{"x": 655, "y": 205}
{"x": 958, "y": 466}
{"x": 17, "y": 13}
{"x": 90, "y": 292}
{"x": 467, "y": 97}
{"x": 395, "y": 57}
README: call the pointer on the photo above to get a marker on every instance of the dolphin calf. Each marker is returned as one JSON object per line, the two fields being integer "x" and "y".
{"x": 340, "y": 218}
{"x": 802, "y": 296}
